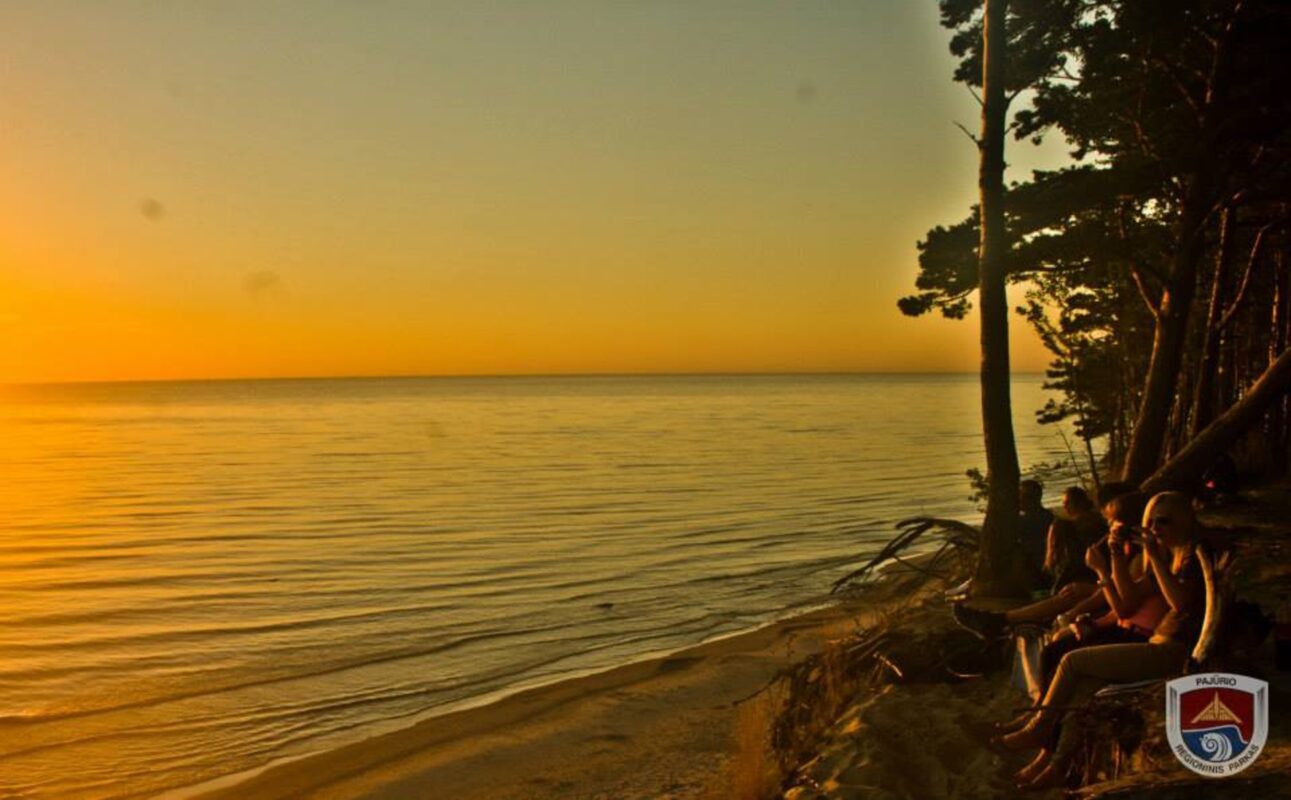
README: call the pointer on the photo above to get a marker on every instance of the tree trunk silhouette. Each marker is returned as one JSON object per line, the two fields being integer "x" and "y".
{"x": 1000, "y": 528}
{"x": 1169, "y": 338}
{"x": 1184, "y": 471}
{"x": 1277, "y": 437}
{"x": 1203, "y": 397}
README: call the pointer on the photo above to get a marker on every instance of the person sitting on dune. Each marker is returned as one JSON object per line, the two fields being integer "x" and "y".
{"x": 1069, "y": 537}
{"x": 1073, "y": 597}
{"x": 1132, "y": 616}
{"x": 1170, "y": 567}
{"x": 1034, "y": 521}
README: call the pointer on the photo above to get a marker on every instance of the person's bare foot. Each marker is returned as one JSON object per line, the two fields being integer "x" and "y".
{"x": 1017, "y": 723}
{"x": 1049, "y": 778}
{"x": 1030, "y": 736}
{"x": 1030, "y": 771}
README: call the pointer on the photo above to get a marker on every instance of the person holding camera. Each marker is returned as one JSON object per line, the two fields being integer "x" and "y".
{"x": 1168, "y": 567}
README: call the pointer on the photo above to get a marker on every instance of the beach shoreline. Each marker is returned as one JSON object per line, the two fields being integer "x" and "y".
{"x": 671, "y": 726}
{"x": 662, "y": 726}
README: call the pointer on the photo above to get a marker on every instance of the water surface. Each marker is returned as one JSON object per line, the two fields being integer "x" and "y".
{"x": 199, "y": 578}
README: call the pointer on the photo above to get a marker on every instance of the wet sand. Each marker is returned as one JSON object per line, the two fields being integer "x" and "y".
{"x": 655, "y": 729}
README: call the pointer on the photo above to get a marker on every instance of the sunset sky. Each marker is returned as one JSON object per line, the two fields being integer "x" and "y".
{"x": 230, "y": 189}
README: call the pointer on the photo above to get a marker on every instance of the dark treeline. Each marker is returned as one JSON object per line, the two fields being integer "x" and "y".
{"x": 1156, "y": 266}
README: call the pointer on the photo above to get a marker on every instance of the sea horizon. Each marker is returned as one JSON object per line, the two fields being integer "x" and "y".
{"x": 467, "y": 376}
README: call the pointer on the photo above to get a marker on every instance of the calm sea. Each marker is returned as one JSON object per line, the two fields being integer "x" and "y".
{"x": 199, "y": 578}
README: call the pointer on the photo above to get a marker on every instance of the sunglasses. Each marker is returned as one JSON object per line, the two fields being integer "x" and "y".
{"x": 1158, "y": 521}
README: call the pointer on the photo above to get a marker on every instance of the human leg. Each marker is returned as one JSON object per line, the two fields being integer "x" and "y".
{"x": 1033, "y": 768}
{"x": 1066, "y": 599}
{"x": 1060, "y": 646}
{"x": 992, "y": 624}
{"x": 1050, "y": 656}
{"x": 1085, "y": 670}
{"x": 1123, "y": 663}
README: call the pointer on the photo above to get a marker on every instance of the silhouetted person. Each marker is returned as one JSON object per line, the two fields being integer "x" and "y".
{"x": 1072, "y": 596}
{"x": 1033, "y": 533}
{"x": 1070, "y": 537}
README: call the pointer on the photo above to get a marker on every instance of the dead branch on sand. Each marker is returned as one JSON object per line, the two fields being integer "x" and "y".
{"x": 957, "y": 536}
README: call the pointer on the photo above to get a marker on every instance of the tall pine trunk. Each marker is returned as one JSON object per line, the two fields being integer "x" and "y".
{"x": 1000, "y": 529}
{"x": 1203, "y": 397}
{"x": 1168, "y": 340}
{"x": 1276, "y": 440}
{"x": 1170, "y": 337}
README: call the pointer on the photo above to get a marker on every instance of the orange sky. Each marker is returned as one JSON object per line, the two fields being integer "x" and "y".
{"x": 228, "y": 190}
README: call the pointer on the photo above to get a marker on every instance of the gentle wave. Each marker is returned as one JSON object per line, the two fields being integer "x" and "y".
{"x": 200, "y": 579}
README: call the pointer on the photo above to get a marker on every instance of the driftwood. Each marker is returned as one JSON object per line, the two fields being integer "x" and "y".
{"x": 817, "y": 689}
{"x": 918, "y": 645}
{"x": 957, "y": 535}
{"x": 1184, "y": 471}
{"x": 1214, "y": 570}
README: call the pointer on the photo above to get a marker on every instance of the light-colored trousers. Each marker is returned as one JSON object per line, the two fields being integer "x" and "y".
{"x": 1087, "y": 669}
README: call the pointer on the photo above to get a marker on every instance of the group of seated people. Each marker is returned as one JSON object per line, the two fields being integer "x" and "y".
{"x": 1127, "y": 602}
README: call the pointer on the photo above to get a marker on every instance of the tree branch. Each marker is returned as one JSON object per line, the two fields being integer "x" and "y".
{"x": 1256, "y": 247}
{"x": 1136, "y": 272}
{"x": 1180, "y": 86}
{"x": 1153, "y": 305}
{"x": 976, "y": 142}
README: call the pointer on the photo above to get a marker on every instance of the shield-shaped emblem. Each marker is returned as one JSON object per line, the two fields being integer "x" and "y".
{"x": 1217, "y": 722}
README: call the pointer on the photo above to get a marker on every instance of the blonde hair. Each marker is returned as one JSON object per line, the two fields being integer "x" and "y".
{"x": 1180, "y": 506}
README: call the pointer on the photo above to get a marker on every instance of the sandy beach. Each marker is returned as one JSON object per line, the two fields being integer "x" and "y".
{"x": 659, "y": 728}
{"x": 669, "y": 727}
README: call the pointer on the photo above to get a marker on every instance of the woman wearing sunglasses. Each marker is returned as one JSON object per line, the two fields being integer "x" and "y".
{"x": 1170, "y": 535}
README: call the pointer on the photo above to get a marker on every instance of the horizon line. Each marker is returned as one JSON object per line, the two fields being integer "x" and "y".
{"x": 539, "y": 375}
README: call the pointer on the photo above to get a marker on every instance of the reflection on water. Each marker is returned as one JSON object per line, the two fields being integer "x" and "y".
{"x": 197, "y": 578}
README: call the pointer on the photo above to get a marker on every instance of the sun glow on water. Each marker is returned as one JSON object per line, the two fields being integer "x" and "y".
{"x": 198, "y": 578}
